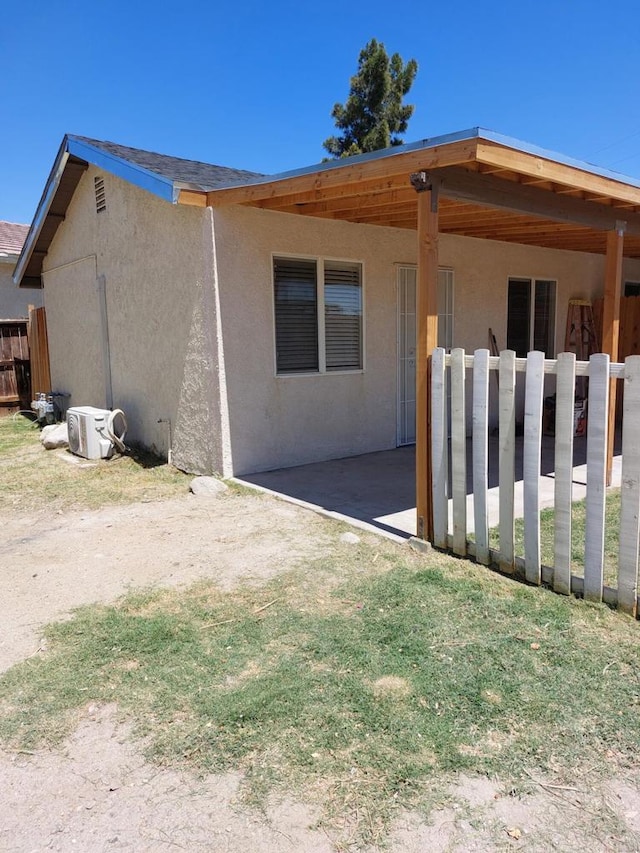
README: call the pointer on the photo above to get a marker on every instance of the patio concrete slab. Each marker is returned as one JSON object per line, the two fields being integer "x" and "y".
{"x": 376, "y": 491}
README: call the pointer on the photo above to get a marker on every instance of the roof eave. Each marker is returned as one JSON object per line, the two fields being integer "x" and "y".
{"x": 72, "y": 146}
{"x": 476, "y": 135}
{"x": 41, "y": 211}
{"x": 125, "y": 169}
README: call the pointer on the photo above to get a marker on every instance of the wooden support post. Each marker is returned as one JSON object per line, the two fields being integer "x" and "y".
{"x": 427, "y": 340}
{"x": 611, "y": 322}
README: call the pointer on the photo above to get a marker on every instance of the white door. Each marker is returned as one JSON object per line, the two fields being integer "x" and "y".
{"x": 407, "y": 342}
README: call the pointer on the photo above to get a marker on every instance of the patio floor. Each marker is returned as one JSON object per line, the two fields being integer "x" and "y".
{"x": 377, "y": 490}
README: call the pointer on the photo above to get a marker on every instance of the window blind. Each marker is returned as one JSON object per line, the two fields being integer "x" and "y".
{"x": 296, "y": 315}
{"x": 343, "y": 316}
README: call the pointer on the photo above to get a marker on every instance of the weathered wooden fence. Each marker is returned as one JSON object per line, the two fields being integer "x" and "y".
{"x": 14, "y": 365}
{"x": 39, "y": 347}
{"x": 450, "y": 467}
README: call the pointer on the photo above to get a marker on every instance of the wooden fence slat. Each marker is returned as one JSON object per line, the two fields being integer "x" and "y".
{"x": 597, "y": 429}
{"x": 600, "y": 372}
{"x": 458, "y": 452}
{"x": 616, "y": 370}
{"x": 439, "y": 448}
{"x": 563, "y": 465}
{"x": 507, "y": 452}
{"x": 39, "y": 351}
{"x": 630, "y": 490}
{"x": 480, "y": 447}
{"x": 534, "y": 392}
{"x": 14, "y": 353}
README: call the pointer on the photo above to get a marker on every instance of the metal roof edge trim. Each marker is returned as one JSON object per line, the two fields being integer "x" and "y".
{"x": 123, "y": 168}
{"x": 562, "y": 159}
{"x": 41, "y": 211}
{"x": 340, "y": 163}
{"x": 478, "y": 133}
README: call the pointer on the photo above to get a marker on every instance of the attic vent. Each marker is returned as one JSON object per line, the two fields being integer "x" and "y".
{"x": 101, "y": 200}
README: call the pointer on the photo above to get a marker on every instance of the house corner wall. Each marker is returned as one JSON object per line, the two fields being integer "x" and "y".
{"x": 285, "y": 420}
{"x": 202, "y": 443}
{"x": 127, "y": 292}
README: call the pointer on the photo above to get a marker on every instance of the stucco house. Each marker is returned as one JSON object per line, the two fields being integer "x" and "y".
{"x": 14, "y": 302}
{"x": 279, "y": 320}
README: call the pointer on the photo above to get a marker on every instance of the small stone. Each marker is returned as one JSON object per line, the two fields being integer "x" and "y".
{"x": 350, "y": 538}
{"x": 55, "y": 436}
{"x": 208, "y": 486}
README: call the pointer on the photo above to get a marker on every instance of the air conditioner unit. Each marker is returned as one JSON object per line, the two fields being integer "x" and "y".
{"x": 88, "y": 433}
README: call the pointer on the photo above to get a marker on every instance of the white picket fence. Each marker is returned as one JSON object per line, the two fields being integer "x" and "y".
{"x": 449, "y": 455}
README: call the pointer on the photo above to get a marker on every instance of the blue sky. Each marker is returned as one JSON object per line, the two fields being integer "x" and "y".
{"x": 252, "y": 84}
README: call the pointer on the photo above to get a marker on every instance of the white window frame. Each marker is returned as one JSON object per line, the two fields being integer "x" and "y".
{"x": 532, "y": 281}
{"x": 320, "y": 261}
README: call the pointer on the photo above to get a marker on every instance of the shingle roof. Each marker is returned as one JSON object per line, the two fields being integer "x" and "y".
{"x": 12, "y": 237}
{"x": 204, "y": 175}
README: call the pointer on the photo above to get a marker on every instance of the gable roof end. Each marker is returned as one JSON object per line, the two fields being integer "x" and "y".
{"x": 159, "y": 174}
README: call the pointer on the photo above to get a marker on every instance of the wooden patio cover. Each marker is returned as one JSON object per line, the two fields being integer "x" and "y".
{"x": 475, "y": 185}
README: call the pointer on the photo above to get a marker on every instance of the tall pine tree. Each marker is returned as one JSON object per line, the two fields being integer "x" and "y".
{"x": 374, "y": 114}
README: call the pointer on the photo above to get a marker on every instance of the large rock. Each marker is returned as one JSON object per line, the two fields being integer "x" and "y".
{"x": 54, "y": 436}
{"x": 208, "y": 486}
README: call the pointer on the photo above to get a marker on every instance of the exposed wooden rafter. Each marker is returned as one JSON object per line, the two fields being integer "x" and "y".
{"x": 489, "y": 191}
{"x": 343, "y": 175}
{"x": 486, "y": 189}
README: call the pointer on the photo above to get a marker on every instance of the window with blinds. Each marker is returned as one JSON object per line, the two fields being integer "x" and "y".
{"x": 343, "y": 316}
{"x": 296, "y": 311}
{"x": 314, "y": 299}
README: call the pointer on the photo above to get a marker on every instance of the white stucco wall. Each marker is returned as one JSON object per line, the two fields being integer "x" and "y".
{"x": 287, "y": 420}
{"x": 168, "y": 311}
{"x": 277, "y": 421}
{"x": 15, "y": 301}
{"x": 149, "y": 256}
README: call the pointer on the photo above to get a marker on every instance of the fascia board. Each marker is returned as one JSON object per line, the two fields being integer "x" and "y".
{"x": 125, "y": 169}
{"x": 41, "y": 211}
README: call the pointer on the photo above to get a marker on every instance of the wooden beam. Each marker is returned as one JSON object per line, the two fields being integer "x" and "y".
{"x": 32, "y": 281}
{"x": 486, "y": 190}
{"x": 192, "y": 197}
{"x": 530, "y": 224}
{"x": 346, "y": 206}
{"x": 494, "y": 154}
{"x": 351, "y": 191}
{"x": 611, "y": 324}
{"x": 427, "y": 340}
{"x": 347, "y": 172}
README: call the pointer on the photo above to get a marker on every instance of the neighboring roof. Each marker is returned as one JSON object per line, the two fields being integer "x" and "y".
{"x": 561, "y": 203}
{"x": 12, "y": 237}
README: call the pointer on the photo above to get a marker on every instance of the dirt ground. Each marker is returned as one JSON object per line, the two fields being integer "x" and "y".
{"x": 97, "y": 792}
